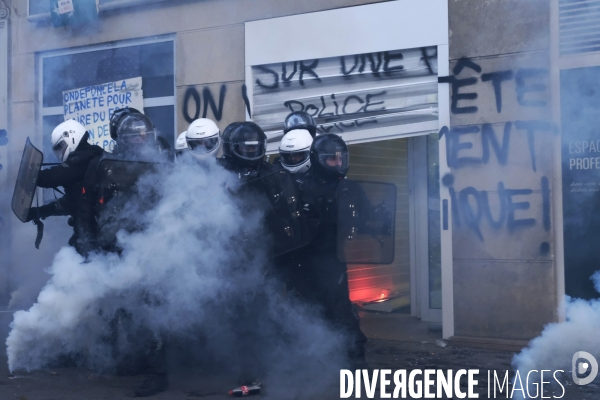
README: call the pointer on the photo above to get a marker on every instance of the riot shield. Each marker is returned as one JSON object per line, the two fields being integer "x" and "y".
{"x": 366, "y": 222}
{"x": 29, "y": 169}
{"x": 283, "y": 219}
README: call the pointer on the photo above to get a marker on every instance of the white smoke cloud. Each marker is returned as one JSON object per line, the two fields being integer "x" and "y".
{"x": 199, "y": 267}
{"x": 555, "y": 347}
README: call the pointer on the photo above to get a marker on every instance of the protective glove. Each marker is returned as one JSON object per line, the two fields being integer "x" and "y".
{"x": 43, "y": 212}
{"x": 34, "y": 213}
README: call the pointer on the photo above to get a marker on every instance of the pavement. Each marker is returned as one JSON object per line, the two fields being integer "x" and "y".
{"x": 396, "y": 341}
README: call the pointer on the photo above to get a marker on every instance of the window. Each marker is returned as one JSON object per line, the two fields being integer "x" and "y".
{"x": 39, "y": 7}
{"x": 152, "y": 60}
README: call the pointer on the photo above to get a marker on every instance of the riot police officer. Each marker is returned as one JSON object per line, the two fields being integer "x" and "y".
{"x": 294, "y": 151}
{"x": 297, "y": 120}
{"x": 180, "y": 145}
{"x": 244, "y": 148}
{"x": 300, "y": 120}
{"x": 135, "y": 138}
{"x": 203, "y": 139}
{"x": 70, "y": 146}
{"x": 316, "y": 273}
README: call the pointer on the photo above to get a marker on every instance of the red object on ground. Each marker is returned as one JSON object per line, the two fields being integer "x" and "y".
{"x": 245, "y": 391}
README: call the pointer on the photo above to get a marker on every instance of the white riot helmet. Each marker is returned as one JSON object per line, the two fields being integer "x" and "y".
{"x": 294, "y": 150}
{"x": 66, "y": 137}
{"x": 203, "y": 139}
{"x": 180, "y": 144}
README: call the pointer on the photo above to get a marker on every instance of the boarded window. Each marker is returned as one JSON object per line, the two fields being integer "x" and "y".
{"x": 361, "y": 97}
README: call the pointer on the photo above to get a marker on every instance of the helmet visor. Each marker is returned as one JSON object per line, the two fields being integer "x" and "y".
{"x": 292, "y": 159}
{"x": 59, "y": 149}
{"x": 135, "y": 130}
{"x": 249, "y": 149}
{"x": 203, "y": 146}
{"x": 135, "y": 137}
{"x": 335, "y": 161}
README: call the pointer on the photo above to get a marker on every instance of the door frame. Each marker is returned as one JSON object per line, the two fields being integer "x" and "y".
{"x": 419, "y": 231}
{"x": 445, "y": 200}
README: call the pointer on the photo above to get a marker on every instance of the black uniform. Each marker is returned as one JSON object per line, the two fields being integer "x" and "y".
{"x": 314, "y": 272}
{"x": 107, "y": 187}
{"x": 109, "y": 178}
{"x": 244, "y": 173}
{"x": 70, "y": 176}
{"x": 272, "y": 190}
{"x": 101, "y": 183}
{"x": 277, "y": 166}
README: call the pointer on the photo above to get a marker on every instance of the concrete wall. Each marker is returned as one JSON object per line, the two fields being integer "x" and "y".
{"x": 504, "y": 272}
{"x": 4, "y": 56}
{"x": 209, "y": 55}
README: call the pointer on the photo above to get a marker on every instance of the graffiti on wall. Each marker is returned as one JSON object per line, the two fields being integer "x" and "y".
{"x": 470, "y": 205}
{"x": 377, "y": 64}
{"x": 197, "y": 105}
{"x": 349, "y": 93}
{"x": 346, "y": 93}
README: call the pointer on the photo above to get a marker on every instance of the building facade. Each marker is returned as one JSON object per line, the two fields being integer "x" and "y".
{"x": 465, "y": 106}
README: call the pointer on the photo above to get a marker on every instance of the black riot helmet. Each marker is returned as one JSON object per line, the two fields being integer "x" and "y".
{"x": 329, "y": 157}
{"x": 246, "y": 145}
{"x": 118, "y": 114}
{"x": 133, "y": 129}
{"x": 300, "y": 120}
{"x": 225, "y": 136}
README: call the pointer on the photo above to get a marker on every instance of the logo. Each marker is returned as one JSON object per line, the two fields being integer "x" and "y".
{"x": 451, "y": 384}
{"x": 581, "y": 367}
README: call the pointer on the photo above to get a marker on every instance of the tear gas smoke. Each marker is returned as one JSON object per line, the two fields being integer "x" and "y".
{"x": 198, "y": 268}
{"x": 26, "y": 272}
{"x": 554, "y": 348}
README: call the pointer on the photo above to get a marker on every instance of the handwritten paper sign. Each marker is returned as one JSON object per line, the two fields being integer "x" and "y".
{"x": 65, "y": 6}
{"x": 93, "y": 106}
